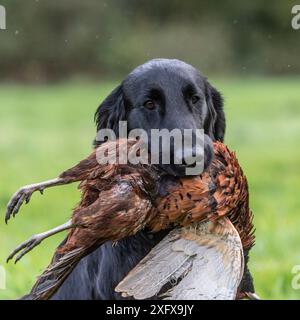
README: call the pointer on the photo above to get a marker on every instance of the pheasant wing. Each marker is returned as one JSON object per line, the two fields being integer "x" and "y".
{"x": 199, "y": 262}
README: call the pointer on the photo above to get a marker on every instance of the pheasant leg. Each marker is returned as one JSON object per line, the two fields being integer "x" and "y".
{"x": 24, "y": 194}
{"x": 35, "y": 240}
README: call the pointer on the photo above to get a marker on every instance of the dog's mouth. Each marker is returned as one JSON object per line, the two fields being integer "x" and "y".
{"x": 181, "y": 170}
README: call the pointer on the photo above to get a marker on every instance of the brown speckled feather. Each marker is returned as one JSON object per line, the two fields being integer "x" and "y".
{"x": 221, "y": 191}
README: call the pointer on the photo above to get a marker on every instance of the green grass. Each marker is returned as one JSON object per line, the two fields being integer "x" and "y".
{"x": 45, "y": 129}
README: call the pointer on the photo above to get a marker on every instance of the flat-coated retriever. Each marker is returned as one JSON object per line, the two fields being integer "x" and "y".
{"x": 159, "y": 94}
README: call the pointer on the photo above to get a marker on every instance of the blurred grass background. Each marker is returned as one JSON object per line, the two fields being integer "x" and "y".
{"x": 59, "y": 60}
{"x": 46, "y": 129}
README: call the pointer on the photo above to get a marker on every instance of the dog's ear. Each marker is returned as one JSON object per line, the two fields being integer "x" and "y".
{"x": 111, "y": 111}
{"x": 215, "y": 124}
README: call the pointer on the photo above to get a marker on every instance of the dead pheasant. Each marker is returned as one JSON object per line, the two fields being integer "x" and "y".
{"x": 210, "y": 212}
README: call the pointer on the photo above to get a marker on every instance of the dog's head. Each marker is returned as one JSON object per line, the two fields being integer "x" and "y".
{"x": 166, "y": 94}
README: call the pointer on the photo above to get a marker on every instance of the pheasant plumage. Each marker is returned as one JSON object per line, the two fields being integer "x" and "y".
{"x": 119, "y": 200}
{"x": 221, "y": 191}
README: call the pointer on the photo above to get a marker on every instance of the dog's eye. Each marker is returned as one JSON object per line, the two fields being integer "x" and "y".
{"x": 149, "y": 104}
{"x": 195, "y": 99}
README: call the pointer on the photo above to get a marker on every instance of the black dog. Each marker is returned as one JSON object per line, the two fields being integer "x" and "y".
{"x": 159, "y": 94}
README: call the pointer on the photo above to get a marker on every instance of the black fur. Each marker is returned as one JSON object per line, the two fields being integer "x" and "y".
{"x": 168, "y": 83}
